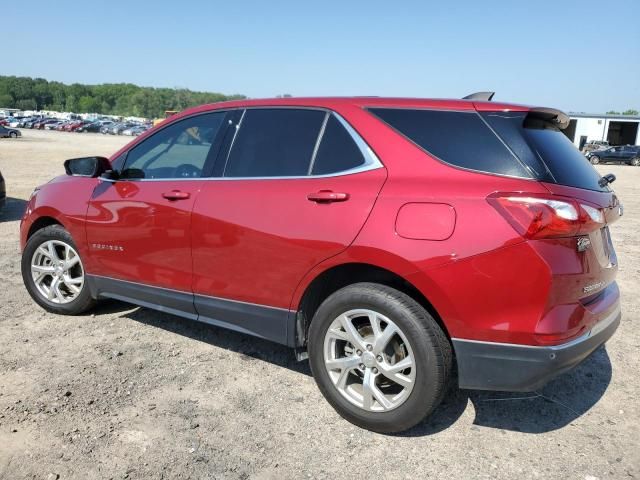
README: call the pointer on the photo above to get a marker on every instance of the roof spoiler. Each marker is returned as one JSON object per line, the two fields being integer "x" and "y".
{"x": 481, "y": 96}
{"x": 551, "y": 115}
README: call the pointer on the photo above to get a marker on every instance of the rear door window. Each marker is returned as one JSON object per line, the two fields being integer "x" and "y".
{"x": 461, "y": 139}
{"x": 274, "y": 142}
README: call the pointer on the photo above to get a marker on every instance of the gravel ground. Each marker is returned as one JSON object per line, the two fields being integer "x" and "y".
{"x": 127, "y": 392}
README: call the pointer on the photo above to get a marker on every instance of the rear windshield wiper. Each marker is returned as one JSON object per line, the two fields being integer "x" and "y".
{"x": 607, "y": 179}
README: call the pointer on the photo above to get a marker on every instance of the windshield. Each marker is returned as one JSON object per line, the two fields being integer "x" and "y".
{"x": 545, "y": 149}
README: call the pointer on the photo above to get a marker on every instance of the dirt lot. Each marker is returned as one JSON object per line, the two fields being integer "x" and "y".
{"x": 132, "y": 393}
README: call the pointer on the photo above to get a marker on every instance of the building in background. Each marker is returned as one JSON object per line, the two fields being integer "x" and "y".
{"x": 615, "y": 129}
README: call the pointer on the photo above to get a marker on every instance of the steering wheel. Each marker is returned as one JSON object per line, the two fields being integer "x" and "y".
{"x": 186, "y": 170}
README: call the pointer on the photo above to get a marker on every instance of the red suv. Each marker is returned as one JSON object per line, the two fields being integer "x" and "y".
{"x": 392, "y": 239}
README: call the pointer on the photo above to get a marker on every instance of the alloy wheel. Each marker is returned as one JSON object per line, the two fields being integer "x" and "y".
{"x": 57, "y": 271}
{"x": 369, "y": 360}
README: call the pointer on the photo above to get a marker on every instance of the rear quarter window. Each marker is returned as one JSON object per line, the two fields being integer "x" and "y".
{"x": 461, "y": 139}
{"x": 337, "y": 151}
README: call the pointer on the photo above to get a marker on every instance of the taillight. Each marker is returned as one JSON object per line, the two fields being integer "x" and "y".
{"x": 537, "y": 216}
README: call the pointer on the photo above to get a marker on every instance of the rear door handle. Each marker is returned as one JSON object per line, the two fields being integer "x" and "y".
{"x": 176, "y": 195}
{"x": 327, "y": 196}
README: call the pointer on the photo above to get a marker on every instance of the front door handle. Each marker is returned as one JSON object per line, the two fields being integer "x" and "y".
{"x": 176, "y": 195}
{"x": 327, "y": 196}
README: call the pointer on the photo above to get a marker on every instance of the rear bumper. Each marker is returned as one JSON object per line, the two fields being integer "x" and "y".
{"x": 524, "y": 368}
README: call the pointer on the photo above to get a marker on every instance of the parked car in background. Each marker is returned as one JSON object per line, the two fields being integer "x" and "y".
{"x": 118, "y": 128}
{"x": 55, "y": 125}
{"x": 31, "y": 122}
{"x": 90, "y": 127}
{"x": 594, "y": 145}
{"x": 4, "y": 122}
{"x": 28, "y": 122}
{"x": 629, "y": 154}
{"x": 400, "y": 243}
{"x": 6, "y": 132}
{"x": 74, "y": 127}
{"x": 135, "y": 131}
{"x": 41, "y": 124}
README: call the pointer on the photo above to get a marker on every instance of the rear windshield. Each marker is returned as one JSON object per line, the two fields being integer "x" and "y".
{"x": 548, "y": 147}
{"x": 503, "y": 143}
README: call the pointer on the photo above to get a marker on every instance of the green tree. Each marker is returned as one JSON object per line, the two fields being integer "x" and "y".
{"x": 6, "y": 101}
{"x": 88, "y": 104}
{"x": 631, "y": 111}
{"x": 26, "y": 104}
{"x": 109, "y": 98}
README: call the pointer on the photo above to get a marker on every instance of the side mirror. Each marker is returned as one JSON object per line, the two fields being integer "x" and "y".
{"x": 87, "y": 166}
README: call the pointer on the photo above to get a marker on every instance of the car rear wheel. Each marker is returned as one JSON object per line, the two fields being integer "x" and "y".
{"x": 379, "y": 358}
{"x": 594, "y": 159}
{"x": 53, "y": 272}
{"x": 635, "y": 161}
{"x": 13, "y": 134}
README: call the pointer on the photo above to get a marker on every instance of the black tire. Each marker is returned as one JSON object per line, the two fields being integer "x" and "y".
{"x": 82, "y": 302}
{"x": 13, "y": 134}
{"x": 635, "y": 161}
{"x": 594, "y": 159}
{"x": 430, "y": 346}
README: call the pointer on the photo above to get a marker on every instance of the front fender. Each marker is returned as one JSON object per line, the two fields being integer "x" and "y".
{"x": 65, "y": 200}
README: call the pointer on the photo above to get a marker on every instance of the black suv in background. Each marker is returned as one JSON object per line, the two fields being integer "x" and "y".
{"x": 629, "y": 154}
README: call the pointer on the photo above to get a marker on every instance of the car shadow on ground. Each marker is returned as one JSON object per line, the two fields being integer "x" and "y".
{"x": 555, "y": 406}
{"x": 247, "y": 345}
{"x": 13, "y": 209}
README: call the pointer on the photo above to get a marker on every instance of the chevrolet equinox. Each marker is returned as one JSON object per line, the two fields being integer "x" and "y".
{"x": 393, "y": 241}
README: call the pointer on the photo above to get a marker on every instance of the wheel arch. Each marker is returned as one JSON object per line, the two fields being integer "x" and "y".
{"x": 40, "y": 223}
{"x": 338, "y": 276}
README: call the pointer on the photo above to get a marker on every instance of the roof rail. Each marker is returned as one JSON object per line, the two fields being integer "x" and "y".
{"x": 485, "y": 96}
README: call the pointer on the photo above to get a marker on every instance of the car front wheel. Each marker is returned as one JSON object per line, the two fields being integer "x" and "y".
{"x": 53, "y": 272}
{"x": 379, "y": 358}
{"x": 635, "y": 161}
{"x": 594, "y": 159}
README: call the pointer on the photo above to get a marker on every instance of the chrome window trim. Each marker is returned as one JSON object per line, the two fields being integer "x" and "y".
{"x": 233, "y": 141}
{"x": 371, "y": 160}
{"x": 318, "y": 141}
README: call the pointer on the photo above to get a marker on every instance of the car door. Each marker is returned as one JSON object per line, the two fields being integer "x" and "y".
{"x": 293, "y": 189}
{"x": 138, "y": 226}
{"x": 606, "y": 155}
{"x": 614, "y": 154}
{"x": 626, "y": 153}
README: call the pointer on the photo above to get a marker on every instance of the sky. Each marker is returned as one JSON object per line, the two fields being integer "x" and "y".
{"x": 577, "y": 55}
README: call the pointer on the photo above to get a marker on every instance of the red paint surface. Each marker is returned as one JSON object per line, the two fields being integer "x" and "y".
{"x": 426, "y": 221}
